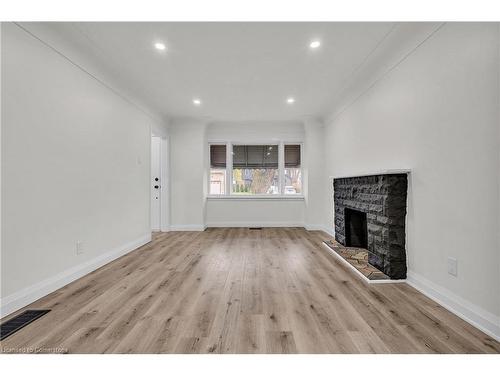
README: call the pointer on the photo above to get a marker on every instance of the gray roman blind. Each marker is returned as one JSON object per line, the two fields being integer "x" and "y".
{"x": 292, "y": 156}
{"x": 218, "y": 156}
{"x": 255, "y": 157}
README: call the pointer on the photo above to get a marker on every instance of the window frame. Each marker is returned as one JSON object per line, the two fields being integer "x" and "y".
{"x": 281, "y": 170}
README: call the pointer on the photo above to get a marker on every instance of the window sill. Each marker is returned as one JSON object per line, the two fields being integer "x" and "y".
{"x": 257, "y": 197}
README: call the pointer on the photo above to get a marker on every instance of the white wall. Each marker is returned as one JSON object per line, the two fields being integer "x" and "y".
{"x": 75, "y": 167}
{"x": 315, "y": 178}
{"x": 188, "y": 154}
{"x": 74, "y": 45}
{"x": 292, "y": 131}
{"x": 436, "y": 112}
{"x": 255, "y": 212}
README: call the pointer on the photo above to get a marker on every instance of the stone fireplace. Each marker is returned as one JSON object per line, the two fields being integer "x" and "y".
{"x": 370, "y": 213}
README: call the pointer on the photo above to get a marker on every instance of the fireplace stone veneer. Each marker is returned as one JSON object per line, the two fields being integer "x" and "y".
{"x": 383, "y": 199}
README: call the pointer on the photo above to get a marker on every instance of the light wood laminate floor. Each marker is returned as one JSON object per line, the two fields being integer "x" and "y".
{"x": 236, "y": 290}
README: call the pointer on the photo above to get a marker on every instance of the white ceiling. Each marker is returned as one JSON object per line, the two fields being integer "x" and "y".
{"x": 240, "y": 71}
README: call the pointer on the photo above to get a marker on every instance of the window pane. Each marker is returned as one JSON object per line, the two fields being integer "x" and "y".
{"x": 293, "y": 175}
{"x": 261, "y": 156}
{"x": 292, "y": 156}
{"x": 293, "y": 181}
{"x": 218, "y": 156}
{"x": 217, "y": 181}
{"x": 255, "y": 181}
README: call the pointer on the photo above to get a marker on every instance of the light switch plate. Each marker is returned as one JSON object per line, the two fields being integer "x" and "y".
{"x": 452, "y": 266}
{"x": 79, "y": 247}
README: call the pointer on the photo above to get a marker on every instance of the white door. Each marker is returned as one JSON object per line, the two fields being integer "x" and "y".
{"x": 155, "y": 183}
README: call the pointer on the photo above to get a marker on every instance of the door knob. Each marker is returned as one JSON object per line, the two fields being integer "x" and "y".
{"x": 157, "y": 187}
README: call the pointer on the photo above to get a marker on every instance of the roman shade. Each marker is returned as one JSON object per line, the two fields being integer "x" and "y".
{"x": 292, "y": 156}
{"x": 218, "y": 156}
{"x": 255, "y": 157}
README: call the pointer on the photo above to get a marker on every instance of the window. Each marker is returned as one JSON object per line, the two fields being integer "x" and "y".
{"x": 255, "y": 170}
{"x": 262, "y": 169}
{"x": 217, "y": 169}
{"x": 293, "y": 172}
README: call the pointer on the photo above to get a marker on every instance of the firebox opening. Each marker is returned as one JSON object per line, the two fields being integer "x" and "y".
{"x": 355, "y": 228}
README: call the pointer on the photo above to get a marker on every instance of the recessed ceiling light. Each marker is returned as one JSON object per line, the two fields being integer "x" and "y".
{"x": 160, "y": 46}
{"x": 290, "y": 100}
{"x": 315, "y": 44}
{"x": 196, "y": 101}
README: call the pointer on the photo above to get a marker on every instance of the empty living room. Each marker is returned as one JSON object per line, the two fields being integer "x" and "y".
{"x": 220, "y": 184}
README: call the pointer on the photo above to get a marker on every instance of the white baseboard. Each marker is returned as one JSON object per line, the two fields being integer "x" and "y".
{"x": 187, "y": 228}
{"x": 270, "y": 224}
{"x": 471, "y": 313}
{"x": 162, "y": 230}
{"x": 314, "y": 227}
{"x": 244, "y": 224}
{"x": 25, "y": 296}
{"x": 323, "y": 228}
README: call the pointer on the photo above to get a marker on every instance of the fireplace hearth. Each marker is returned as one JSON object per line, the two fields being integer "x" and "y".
{"x": 370, "y": 213}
